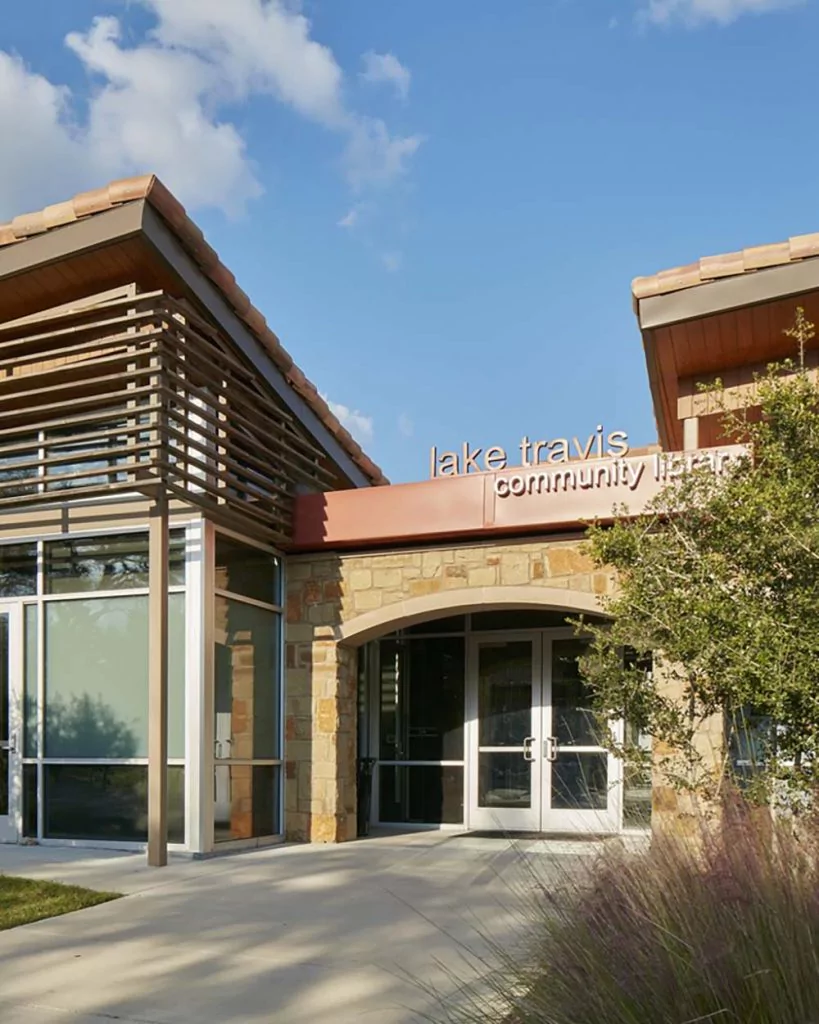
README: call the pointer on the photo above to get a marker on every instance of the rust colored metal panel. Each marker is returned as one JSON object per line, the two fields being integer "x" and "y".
{"x": 526, "y": 499}
{"x": 432, "y": 508}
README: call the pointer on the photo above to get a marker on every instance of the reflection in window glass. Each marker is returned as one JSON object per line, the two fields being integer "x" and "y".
{"x": 246, "y": 570}
{"x": 505, "y": 681}
{"x": 96, "y": 677}
{"x": 574, "y": 721}
{"x": 18, "y": 570}
{"x": 422, "y": 699}
{"x": 13, "y": 469}
{"x": 31, "y": 738}
{"x": 246, "y": 801}
{"x": 580, "y": 782}
{"x": 421, "y": 794}
{"x": 84, "y": 801}
{"x": 247, "y": 681}
{"x": 74, "y": 565}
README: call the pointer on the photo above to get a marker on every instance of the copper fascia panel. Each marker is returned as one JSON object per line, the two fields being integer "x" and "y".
{"x": 470, "y": 507}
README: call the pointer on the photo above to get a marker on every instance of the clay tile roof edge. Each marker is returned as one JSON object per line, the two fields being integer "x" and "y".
{"x": 151, "y": 189}
{"x": 730, "y": 264}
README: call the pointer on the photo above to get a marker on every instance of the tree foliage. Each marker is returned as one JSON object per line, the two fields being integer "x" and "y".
{"x": 720, "y": 582}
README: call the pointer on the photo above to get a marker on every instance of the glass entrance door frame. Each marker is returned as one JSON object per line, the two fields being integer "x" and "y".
{"x": 504, "y": 746}
{"x": 561, "y": 748}
{"x": 11, "y": 722}
{"x": 543, "y": 749}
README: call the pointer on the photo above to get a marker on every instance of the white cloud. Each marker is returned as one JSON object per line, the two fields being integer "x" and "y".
{"x": 696, "y": 12}
{"x": 163, "y": 103}
{"x": 386, "y": 67}
{"x": 350, "y": 219}
{"x": 392, "y": 261}
{"x": 359, "y": 425}
{"x": 405, "y": 425}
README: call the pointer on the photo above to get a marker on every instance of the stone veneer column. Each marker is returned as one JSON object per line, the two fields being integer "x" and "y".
{"x": 683, "y": 812}
{"x": 320, "y": 709}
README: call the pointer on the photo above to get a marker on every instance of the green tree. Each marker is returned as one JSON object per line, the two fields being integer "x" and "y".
{"x": 719, "y": 583}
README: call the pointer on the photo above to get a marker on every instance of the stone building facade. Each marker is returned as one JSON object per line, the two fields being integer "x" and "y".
{"x": 337, "y": 601}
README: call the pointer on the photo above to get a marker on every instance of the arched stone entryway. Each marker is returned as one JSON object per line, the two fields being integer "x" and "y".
{"x": 414, "y": 610}
{"x": 336, "y": 603}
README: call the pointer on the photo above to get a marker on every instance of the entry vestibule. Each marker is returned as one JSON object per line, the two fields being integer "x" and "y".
{"x": 484, "y": 721}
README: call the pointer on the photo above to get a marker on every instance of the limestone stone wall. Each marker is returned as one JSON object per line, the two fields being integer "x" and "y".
{"x": 328, "y": 592}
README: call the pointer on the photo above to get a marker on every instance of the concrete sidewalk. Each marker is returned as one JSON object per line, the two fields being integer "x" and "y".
{"x": 297, "y": 934}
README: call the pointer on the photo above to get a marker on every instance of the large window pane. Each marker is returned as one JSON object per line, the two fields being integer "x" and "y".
{"x": 96, "y": 677}
{"x": 505, "y": 684}
{"x": 107, "y": 563}
{"x": 18, "y": 570}
{"x": 580, "y": 782}
{"x": 246, "y": 801}
{"x": 245, "y": 570}
{"x": 247, "y": 681}
{"x": 422, "y": 699}
{"x": 421, "y": 794}
{"x": 84, "y": 801}
{"x": 574, "y": 721}
{"x": 31, "y": 738}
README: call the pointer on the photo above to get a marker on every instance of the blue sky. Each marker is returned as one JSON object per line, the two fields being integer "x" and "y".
{"x": 439, "y": 206}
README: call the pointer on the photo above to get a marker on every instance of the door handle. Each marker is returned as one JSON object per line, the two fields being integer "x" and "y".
{"x": 13, "y": 743}
{"x": 528, "y": 752}
{"x": 550, "y": 748}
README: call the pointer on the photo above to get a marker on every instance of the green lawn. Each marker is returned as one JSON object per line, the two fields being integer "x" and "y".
{"x": 23, "y": 900}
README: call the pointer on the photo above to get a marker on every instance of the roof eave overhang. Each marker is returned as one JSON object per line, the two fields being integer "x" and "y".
{"x": 730, "y": 293}
{"x": 138, "y": 217}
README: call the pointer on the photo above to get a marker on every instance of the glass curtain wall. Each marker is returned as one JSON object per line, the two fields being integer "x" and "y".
{"x": 420, "y": 680}
{"x": 247, "y": 692}
{"x": 85, "y": 685}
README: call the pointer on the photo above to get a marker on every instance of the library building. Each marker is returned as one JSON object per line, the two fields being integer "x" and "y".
{"x": 221, "y": 627}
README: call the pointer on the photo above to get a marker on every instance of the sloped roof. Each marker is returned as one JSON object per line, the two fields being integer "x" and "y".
{"x": 149, "y": 188}
{"x": 731, "y": 264}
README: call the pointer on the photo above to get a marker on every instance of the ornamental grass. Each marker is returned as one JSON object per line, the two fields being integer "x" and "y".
{"x": 719, "y": 927}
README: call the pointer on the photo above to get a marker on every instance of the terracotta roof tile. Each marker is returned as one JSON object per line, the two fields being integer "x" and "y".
{"x": 151, "y": 189}
{"x": 711, "y": 268}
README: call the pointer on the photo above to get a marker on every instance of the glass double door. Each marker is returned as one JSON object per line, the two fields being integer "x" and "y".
{"x": 537, "y": 760}
{"x": 10, "y": 725}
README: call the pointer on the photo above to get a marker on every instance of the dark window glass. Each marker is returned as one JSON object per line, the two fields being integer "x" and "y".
{"x": 107, "y": 563}
{"x": 505, "y": 693}
{"x": 84, "y": 801}
{"x": 4, "y": 780}
{"x": 246, "y": 801}
{"x": 422, "y": 699}
{"x": 18, "y": 570}
{"x": 580, "y": 782}
{"x": 247, "y": 681}
{"x": 30, "y": 801}
{"x": 421, "y": 794}
{"x": 637, "y": 796}
{"x": 524, "y": 618}
{"x": 245, "y": 570}
{"x": 452, "y": 624}
{"x": 574, "y": 721}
